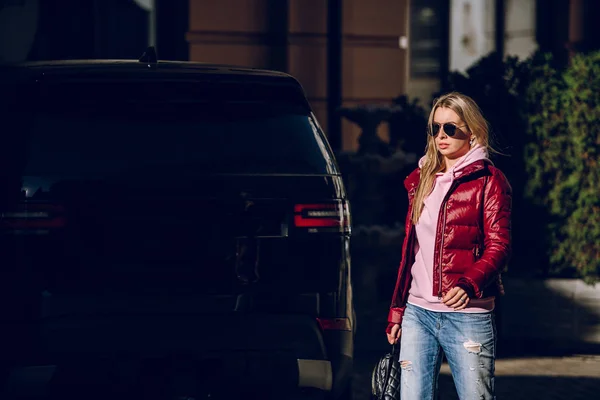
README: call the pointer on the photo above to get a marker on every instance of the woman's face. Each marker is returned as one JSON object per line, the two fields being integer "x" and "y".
{"x": 451, "y": 147}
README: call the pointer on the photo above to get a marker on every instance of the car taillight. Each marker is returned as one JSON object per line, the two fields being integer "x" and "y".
{"x": 32, "y": 218}
{"x": 334, "y": 324}
{"x": 317, "y": 217}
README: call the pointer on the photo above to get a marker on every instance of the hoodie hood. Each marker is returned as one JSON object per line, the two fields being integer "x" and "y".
{"x": 477, "y": 153}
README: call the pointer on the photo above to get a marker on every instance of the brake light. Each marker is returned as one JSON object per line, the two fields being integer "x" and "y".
{"x": 322, "y": 216}
{"x": 334, "y": 324}
{"x": 32, "y": 218}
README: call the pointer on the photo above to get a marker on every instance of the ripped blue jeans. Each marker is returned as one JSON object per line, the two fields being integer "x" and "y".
{"x": 468, "y": 342}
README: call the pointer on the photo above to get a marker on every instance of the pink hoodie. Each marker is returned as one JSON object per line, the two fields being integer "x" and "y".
{"x": 420, "y": 293}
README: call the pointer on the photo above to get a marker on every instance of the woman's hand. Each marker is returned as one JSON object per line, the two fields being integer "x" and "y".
{"x": 456, "y": 298}
{"x": 394, "y": 335}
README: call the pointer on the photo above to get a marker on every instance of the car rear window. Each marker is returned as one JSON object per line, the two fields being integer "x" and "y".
{"x": 89, "y": 131}
{"x": 93, "y": 144}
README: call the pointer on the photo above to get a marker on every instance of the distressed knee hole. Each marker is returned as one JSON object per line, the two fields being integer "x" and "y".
{"x": 406, "y": 365}
{"x": 472, "y": 347}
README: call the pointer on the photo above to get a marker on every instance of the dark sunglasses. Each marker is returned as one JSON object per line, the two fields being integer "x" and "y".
{"x": 449, "y": 128}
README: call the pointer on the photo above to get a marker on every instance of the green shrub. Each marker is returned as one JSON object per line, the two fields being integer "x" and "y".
{"x": 562, "y": 161}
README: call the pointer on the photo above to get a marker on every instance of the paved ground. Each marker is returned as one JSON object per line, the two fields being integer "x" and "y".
{"x": 570, "y": 377}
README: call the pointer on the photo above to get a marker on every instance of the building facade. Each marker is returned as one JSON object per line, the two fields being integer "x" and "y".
{"x": 344, "y": 52}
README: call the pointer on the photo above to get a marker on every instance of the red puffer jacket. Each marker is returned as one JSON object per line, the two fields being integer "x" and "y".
{"x": 472, "y": 241}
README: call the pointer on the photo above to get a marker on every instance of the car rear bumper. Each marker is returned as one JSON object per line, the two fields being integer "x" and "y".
{"x": 245, "y": 373}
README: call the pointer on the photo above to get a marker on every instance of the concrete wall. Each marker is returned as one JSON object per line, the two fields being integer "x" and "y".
{"x": 560, "y": 310}
{"x": 520, "y": 28}
{"x": 472, "y": 30}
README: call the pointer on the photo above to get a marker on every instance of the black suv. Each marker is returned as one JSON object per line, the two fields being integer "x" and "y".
{"x": 169, "y": 229}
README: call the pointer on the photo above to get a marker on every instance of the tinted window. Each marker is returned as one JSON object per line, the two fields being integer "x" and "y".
{"x": 84, "y": 128}
{"x": 226, "y": 141}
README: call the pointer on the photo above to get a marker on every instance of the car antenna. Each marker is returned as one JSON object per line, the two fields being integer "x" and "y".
{"x": 149, "y": 56}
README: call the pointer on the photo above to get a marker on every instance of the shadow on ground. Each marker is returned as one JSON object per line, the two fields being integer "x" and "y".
{"x": 532, "y": 387}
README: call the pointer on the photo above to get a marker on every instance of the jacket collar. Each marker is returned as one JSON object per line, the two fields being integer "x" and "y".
{"x": 413, "y": 179}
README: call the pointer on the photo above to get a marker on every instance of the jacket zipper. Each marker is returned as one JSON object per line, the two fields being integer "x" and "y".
{"x": 445, "y": 208}
{"x": 441, "y": 251}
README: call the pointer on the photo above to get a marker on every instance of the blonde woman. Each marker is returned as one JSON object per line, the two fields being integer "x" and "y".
{"x": 457, "y": 242}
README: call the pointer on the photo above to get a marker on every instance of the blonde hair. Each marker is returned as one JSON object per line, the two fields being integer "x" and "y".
{"x": 470, "y": 113}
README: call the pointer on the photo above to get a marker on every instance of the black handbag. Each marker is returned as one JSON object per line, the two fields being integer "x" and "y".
{"x": 385, "y": 380}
